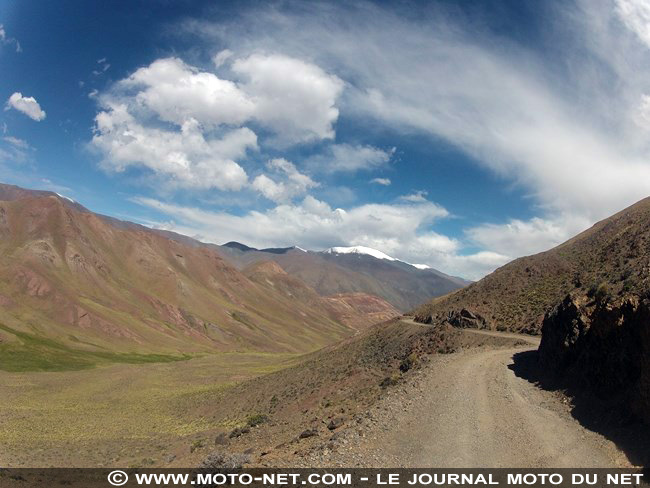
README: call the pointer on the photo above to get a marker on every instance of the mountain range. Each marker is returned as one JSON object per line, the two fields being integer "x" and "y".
{"x": 353, "y": 270}
{"x": 78, "y": 289}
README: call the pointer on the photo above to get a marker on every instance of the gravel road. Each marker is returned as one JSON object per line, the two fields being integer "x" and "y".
{"x": 470, "y": 409}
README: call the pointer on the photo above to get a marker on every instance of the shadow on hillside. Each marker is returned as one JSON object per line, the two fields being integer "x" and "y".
{"x": 595, "y": 414}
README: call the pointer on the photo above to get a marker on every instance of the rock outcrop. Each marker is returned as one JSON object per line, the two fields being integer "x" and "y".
{"x": 466, "y": 319}
{"x": 603, "y": 345}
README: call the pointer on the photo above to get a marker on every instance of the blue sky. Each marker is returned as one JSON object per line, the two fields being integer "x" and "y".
{"x": 456, "y": 134}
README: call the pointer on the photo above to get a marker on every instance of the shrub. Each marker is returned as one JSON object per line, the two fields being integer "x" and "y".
{"x": 197, "y": 444}
{"x": 223, "y": 460}
{"x": 408, "y": 362}
{"x": 602, "y": 292}
{"x": 389, "y": 381}
{"x": 239, "y": 431}
{"x": 255, "y": 420}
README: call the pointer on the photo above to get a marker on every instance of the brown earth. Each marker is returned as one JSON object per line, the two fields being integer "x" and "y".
{"x": 465, "y": 402}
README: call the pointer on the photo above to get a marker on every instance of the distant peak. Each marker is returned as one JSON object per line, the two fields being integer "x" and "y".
{"x": 421, "y": 266}
{"x": 360, "y": 250}
{"x": 278, "y": 250}
{"x": 239, "y": 245}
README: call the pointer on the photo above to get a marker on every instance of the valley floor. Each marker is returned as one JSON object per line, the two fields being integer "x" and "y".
{"x": 117, "y": 415}
{"x": 471, "y": 409}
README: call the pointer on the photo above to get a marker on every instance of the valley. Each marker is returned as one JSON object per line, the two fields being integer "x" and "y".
{"x": 122, "y": 345}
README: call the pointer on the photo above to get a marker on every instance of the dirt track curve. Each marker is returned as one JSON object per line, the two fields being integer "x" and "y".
{"x": 470, "y": 409}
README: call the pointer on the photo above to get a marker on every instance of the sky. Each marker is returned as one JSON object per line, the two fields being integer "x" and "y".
{"x": 460, "y": 135}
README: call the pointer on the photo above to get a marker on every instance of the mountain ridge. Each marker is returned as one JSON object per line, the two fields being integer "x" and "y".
{"x": 75, "y": 283}
{"x": 330, "y": 273}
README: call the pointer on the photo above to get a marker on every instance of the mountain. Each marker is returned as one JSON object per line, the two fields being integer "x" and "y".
{"x": 356, "y": 269}
{"x": 78, "y": 289}
{"x": 614, "y": 253}
{"x": 589, "y": 298}
{"x": 357, "y": 310}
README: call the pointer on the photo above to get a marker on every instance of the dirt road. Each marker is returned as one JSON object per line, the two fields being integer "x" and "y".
{"x": 470, "y": 409}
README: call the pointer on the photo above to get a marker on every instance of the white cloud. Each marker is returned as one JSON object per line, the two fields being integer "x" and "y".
{"x": 4, "y": 39}
{"x": 221, "y": 57}
{"x": 571, "y": 129}
{"x": 295, "y": 98}
{"x": 186, "y": 158}
{"x": 636, "y": 16}
{"x": 191, "y": 127}
{"x": 176, "y": 92}
{"x": 381, "y": 181}
{"x": 349, "y": 158}
{"x": 518, "y": 238}
{"x": 103, "y": 67}
{"x": 401, "y": 230}
{"x": 418, "y": 196}
{"x": 294, "y": 184}
{"x": 398, "y": 229}
{"x": 19, "y": 143}
{"x": 27, "y": 105}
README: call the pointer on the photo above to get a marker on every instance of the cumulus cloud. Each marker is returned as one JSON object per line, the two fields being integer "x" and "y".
{"x": 295, "y": 98}
{"x": 401, "y": 229}
{"x": 519, "y": 238}
{"x": 192, "y": 127}
{"x": 350, "y": 158}
{"x": 176, "y": 92}
{"x": 186, "y": 157}
{"x": 27, "y": 105}
{"x": 293, "y": 183}
{"x": 381, "y": 181}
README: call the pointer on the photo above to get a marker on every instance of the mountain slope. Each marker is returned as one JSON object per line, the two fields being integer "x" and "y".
{"x": 337, "y": 271}
{"x": 358, "y": 310}
{"x": 614, "y": 252}
{"x": 76, "y": 283}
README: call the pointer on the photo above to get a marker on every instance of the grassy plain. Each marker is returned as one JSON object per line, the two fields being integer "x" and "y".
{"x": 118, "y": 414}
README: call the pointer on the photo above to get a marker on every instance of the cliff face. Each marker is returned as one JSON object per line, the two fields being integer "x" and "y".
{"x": 601, "y": 344}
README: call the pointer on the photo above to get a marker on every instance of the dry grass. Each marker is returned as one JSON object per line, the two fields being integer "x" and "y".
{"x": 118, "y": 414}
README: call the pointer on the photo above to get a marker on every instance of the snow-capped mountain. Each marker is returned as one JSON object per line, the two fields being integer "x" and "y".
{"x": 353, "y": 269}
{"x": 359, "y": 250}
{"x": 371, "y": 252}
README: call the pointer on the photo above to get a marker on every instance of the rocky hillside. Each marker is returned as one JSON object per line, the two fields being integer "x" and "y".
{"x": 589, "y": 298}
{"x": 77, "y": 289}
{"x": 614, "y": 253}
